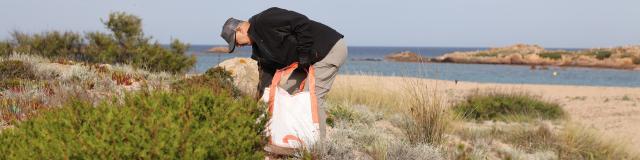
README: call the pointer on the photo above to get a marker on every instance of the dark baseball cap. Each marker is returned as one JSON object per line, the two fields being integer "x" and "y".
{"x": 229, "y": 32}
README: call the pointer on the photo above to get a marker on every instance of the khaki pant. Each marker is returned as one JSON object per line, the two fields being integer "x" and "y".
{"x": 326, "y": 71}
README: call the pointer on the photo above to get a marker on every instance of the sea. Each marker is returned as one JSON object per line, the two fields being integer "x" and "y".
{"x": 364, "y": 60}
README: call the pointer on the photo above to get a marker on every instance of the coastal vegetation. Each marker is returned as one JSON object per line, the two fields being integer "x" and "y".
{"x": 506, "y": 125}
{"x": 506, "y": 107}
{"x": 125, "y": 44}
{"x": 555, "y": 55}
{"x": 117, "y": 95}
{"x": 81, "y": 111}
{"x": 409, "y": 120}
{"x": 199, "y": 124}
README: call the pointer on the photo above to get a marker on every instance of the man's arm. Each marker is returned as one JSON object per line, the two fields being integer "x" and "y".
{"x": 302, "y": 32}
{"x": 299, "y": 27}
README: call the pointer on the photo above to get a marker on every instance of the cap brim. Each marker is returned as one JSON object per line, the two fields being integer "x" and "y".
{"x": 232, "y": 44}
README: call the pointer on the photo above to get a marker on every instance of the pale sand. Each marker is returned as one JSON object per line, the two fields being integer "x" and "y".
{"x": 603, "y": 108}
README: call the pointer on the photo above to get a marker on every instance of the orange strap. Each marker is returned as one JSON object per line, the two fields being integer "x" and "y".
{"x": 286, "y": 139}
{"x": 312, "y": 90}
{"x": 276, "y": 80}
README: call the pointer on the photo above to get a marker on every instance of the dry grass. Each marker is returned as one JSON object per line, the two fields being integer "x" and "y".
{"x": 360, "y": 133}
{"x": 427, "y": 112}
{"x": 373, "y": 92}
{"x": 577, "y": 142}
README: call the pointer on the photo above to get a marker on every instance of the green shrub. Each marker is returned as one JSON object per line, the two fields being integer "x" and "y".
{"x": 553, "y": 55}
{"x": 157, "y": 125}
{"x": 126, "y": 44}
{"x": 216, "y": 79}
{"x": 5, "y": 48}
{"x": 636, "y": 60}
{"x": 341, "y": 113}
{"x": 10, "y": 69}
{"x": 486, "y": 54}
{"x": 503, "y": 106}
{"x": 601, "y": 54}
{"x": 101, "y": 47}
{"x": 49, "y": 44}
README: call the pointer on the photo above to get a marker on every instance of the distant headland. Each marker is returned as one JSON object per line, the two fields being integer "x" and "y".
{"x": 623, "y": 57}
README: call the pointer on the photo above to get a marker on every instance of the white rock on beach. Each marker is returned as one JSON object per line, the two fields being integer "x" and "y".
{"x": 244, "y": 72}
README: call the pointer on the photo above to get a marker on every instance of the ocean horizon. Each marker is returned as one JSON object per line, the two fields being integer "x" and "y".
{"x": 359, "y": 62}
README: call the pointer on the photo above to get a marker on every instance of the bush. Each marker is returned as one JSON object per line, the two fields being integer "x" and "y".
{"x": 486, "y": 54}
{"x": 52, "y": 44}
{"x": 5, "y": 48}
{"x": 216, "y": 79}
{"x": 11, "y": 69}
{"x": 126, "y": 44}
{"x": 553, "y": 55}
{"x": 636, "y": 60}
{"x": 601, "y": 54}
{"x": 156, "y": 125}
{"x": 341, "y": 113}
{"x": 503, "y": 106}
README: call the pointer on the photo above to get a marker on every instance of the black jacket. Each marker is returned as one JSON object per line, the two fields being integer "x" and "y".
{"x": 281, "y": 37}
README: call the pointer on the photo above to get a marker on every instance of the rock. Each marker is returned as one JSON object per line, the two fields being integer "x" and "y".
{"x": 406, "y": 56}
{"x": 516, "y": 59}
{"x": 218, "y": 50}
{"x": 366, "y": 59}
{"x": 244, "y": 72}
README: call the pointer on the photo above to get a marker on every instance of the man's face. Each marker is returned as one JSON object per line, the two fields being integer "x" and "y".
{"x": 242, "y": 35}
{"x": 241, "y": 39}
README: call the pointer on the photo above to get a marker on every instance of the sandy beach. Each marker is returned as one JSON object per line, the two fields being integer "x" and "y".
{"x": 614, "y": 111}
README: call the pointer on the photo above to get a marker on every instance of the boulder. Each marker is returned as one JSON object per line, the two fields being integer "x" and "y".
{"x": 218, "y": 50}
{"x": 244, "y": 72}
{"x": 406, "y": 56}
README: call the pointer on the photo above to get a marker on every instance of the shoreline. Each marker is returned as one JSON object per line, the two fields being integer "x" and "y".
{"x": 538, "y": 65}
{"x": 497, "y": 83}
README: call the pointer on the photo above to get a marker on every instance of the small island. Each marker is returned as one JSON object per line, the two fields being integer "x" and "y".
{"x": 218, "y": 50}
{"x": 625, "y": 57}
{"x": 406, "y": 56}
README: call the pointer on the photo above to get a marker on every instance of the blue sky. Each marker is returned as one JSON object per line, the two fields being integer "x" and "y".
{"x": 473, "y": 23}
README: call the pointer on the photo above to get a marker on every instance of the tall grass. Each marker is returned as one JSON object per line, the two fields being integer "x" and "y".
{"x": 578, "y": 142}
{"x": 427, "y": 113}
{"x": 370, "y": 90}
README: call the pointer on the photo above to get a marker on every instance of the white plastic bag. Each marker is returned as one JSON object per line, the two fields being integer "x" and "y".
{"x": 294, "y": 118}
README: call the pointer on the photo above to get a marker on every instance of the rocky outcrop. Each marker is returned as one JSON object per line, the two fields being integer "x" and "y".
{"x": 406, "y": 56}
{"x": 627, "y": 57}
{"x": 244, "y": 72}
{"x": 218, "y": 50}
{"x": 366, "y": 59}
